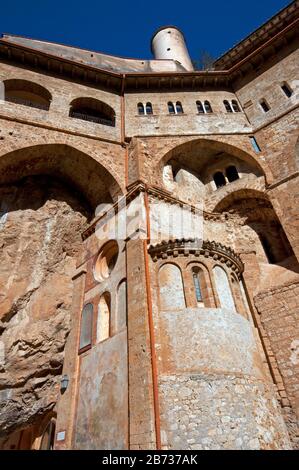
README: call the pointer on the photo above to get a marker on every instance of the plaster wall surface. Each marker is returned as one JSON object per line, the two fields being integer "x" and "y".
{"x": 214, "y": 391}
{"x": 102, "y": 414}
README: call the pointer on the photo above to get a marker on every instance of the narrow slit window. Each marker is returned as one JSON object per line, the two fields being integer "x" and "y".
{"x": 140, "y": 108}
{"x": 255, "y": 145}
{"x": 219, "y": 179}
{"x": 179, "y": 107}
{"x": 287, "y": 90}
{"x": 171, "y": 109}
{"x": 200, "y": 108}
{"x": 227, "y": 106}
{"x": 264, "y": 105}
{"x": 208, "y": 107}
{"x": 197, "y": 288}
{"x": 235, "y": 106}
{"x": 149, "y": 108}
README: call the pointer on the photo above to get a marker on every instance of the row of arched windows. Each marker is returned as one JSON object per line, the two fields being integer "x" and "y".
{"x": 31, "y": 94}
{"x": 172, "y": 292}
{"x": 203, "y": 107}
{"x": 97, "y": 329}
{"x": 228, "y": 176}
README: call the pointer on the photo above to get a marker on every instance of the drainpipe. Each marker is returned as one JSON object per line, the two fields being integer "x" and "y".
{"x": 151, "y": 327}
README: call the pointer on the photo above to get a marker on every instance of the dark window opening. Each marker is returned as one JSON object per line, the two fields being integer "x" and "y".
{"x": 219, "y": 179}
{"x": 227, "y": 106}
{"x": 287, "y": 90}
{"x": 200, "y": 108}
{"x": 140, "y": 108}
{"x": 265, "y": 106}
{"x": 171, "y": 108}
{"x": 92, "y": 110}
{"x": 149, "y": 108}
{"x": 27, "y": 93}
{"x": 47, "y": 442}
{"x": 208, "y": 107}
{"x": 179, "y": 107}
{"x": 235, "y": 106}
{"x": 232, "y": 174}
{"x": 267, "y": 249}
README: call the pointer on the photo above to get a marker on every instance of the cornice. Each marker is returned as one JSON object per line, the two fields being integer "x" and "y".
{"x": 196, "y": 247}
{"x": 128, "y": 82}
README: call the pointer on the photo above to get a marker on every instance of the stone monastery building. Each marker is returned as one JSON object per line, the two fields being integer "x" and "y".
{"x": 182, "y": 332}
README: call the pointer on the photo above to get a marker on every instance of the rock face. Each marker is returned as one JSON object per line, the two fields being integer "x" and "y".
{"x": 40, "y": 225}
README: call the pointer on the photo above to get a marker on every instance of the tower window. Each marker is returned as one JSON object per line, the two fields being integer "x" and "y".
{"x": 140, "y": 108}
{"x": 200, "y": 108}
{"x": 171, "y": 109}
{"x": 179, "y": 107}
{"x": 235, "y": 106}
{"x": 287, "y": 90}
{"x": 149, "y": 108}
{"x": 232, "y": 174}
{"x": 264, "y": 105}
{"x": 219, "y": 179}
{"x": 227, "y": 106}
{"x": 208, "y": 107}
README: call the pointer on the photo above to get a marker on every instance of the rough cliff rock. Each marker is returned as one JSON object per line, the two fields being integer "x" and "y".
{"x": 41, "y": 221}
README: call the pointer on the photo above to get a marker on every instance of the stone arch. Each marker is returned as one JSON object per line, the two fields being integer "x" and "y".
{"x": 104, "y": 317}
{"x": 255, "y": 212}
{"x": 200, "y": 159}
{"x": 92, "y": 109}
{"x": 172, "y": 296}
{"x": 75, "y": 167}
{"x": 27, "y": 92}
{"x": 197, "y": 147}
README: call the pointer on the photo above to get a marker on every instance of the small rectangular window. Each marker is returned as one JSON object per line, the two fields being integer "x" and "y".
{"x": 254, "y": 144}
{"x": 264, "y": 105}
{"x": 287, "y": 90}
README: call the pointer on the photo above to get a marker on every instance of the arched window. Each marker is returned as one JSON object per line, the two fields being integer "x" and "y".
{"x": 27, "y": 93}
{"x": 179, "y": 107}
{"x": 287, "y": 89}
{"x": 103, "y": 323}
{"x": 86, "y": 326}
{"x": 149, "y": 108}
{"x": 223, "y": 289}
{"x": 208, "y": 107}
{"x": 47, "y": 442}
{"x": 227, "y": 106}
{"x": 90, "y": 109}
{"x": 171, "y": 109}
{"x": 196, "y": 274}
{"x": 140, "y": 108}
{"x": 171, "y": 288}
{"x": 219, "y": 179}
{"x": 232, "y": 173}
{"x": 200, "y": 108}
{"x": 235, "y": 106}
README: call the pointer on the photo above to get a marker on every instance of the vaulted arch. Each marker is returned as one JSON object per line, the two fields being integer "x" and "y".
{"x": 71, "y": 165}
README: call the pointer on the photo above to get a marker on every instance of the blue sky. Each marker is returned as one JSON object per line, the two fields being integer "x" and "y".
{"x": 125, "y": 27}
